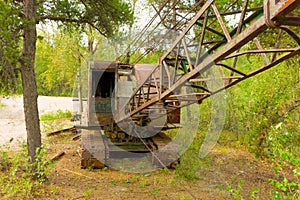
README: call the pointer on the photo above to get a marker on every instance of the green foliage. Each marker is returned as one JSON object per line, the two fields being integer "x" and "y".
{"x": 4, "y": 161}
{"x": 150, "y": 58}
{"x": 88, "y": 192}
{"x": 54, "y": 189}
{"x": 16, "y": 175}
{"x": 9, "y": 42}
{"x": 105, "y": 16}
{"x": 236, "y": 193}
{"x": 42, "y": 165}
{"x": 155, "y": 191}
{"x": 262, "y": 101}
{"x": 58, "y": 60}
{"x": 55, "y": 121}
{"x": 90, "y": 168}
{"x": 254, "y": 193}
{"x": 144, "y": 182}
{"x": 284, "y": 157}
{"x": 190, "y": 163}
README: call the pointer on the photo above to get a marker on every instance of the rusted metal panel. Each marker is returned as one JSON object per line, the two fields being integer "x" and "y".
{"x": 167, "y": 152}
{"x": 94, "y": 151}
{"x": 282, "y": 7}
{"x": 125, "y": 90}
{"x": 104, "y": 119}
{"x": 102, "y": 65}
{"x": 174, "y": 116}
{"x": 143, "y": 71}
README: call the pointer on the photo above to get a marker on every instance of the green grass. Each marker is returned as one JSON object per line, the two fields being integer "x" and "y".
{"x": 58, "y": 115}
{"x": 54, "y": 121}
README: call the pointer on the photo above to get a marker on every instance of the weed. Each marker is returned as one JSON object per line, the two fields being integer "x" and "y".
{"x": 235, "y": 193}
{"x": 282, "y": 157}
{"x": 133, "y": 179}
{"x": 88, "y": 192}
{"x": 42, "y": 165}
{"x": 144, "y": 183}
{"x": 190, "y": 165}
{"x": 155, "y": 190}
{"x": 54, "y": 189}
{"x": 173, "y": 182}
{"x": 183, "y": 197}
{"x": 254, "y": 193}
{"x": 105, "y": 169}
{"x": 90, "y": 168}
{"x": 16, "y": 180}
{"x": 158, "y": 180}
{"x": 4, "y": 161}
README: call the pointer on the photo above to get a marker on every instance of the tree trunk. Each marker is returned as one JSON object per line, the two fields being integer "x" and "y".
{"x": 30, "y": 94}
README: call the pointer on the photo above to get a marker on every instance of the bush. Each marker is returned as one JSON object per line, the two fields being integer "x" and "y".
{"x": 286, "y": 186}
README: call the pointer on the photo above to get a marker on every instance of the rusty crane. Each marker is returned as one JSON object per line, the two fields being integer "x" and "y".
{"x": 123, "y": 99}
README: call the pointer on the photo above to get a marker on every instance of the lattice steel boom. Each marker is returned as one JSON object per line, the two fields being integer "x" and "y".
{"x": 207, "y": 43}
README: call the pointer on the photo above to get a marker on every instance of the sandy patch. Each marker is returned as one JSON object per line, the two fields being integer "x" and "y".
{"x": 12, "y": 122}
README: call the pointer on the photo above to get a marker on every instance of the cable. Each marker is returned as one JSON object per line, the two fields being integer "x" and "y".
{"x": 164, "y": 166}
{"x": 137, "y": 38}
{"x": 162, "y": 36}
{"x": 154, "y": 29}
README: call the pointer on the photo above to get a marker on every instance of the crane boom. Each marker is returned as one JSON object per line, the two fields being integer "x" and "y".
{"x": 276, "y": 16}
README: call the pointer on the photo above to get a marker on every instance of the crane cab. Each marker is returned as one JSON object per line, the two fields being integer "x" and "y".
{"x": 109, "y": 87}
{"x": 102, "y": 79}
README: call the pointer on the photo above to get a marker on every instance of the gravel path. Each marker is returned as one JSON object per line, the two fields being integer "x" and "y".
{"x": 12, "y": 123}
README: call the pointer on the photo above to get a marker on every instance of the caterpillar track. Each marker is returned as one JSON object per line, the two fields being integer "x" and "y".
{"x": 100, "y": 151}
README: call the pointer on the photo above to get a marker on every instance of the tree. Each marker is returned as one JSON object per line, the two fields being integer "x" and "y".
{"x": 9, "y": 42}
{"x": 58, "y": 58}
{"x": 30, "y": 94}
{"x": 105, "y": 16}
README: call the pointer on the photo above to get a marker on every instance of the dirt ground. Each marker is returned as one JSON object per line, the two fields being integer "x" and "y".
{"x": 226, "y": 166}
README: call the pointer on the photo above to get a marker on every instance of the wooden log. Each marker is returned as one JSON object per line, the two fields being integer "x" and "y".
{"x": 72, "y": 129}
{"x": 58, "y": 156}
{"x": 77, "y": 137}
